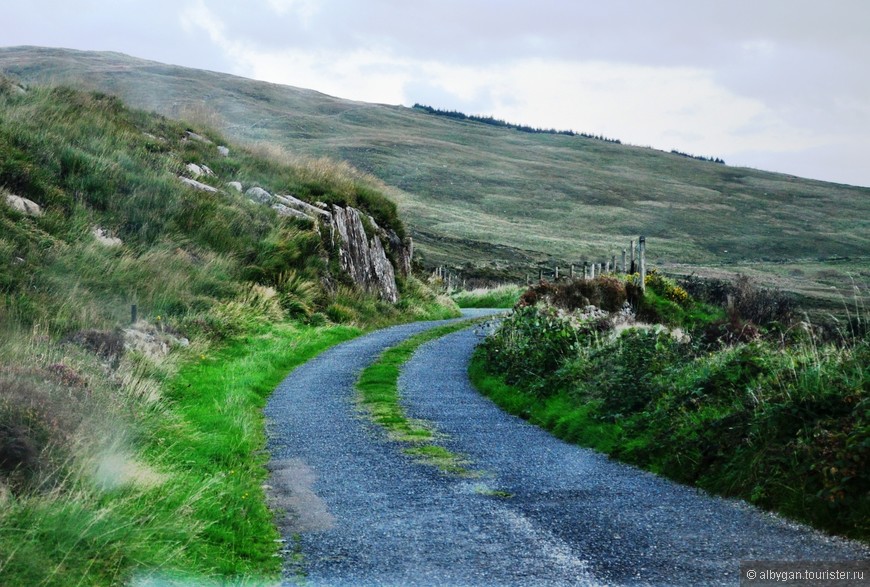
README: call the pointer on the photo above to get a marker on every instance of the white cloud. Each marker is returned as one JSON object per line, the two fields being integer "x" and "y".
{"x": 664, "y": 106}
{"x": 659, "y": 106}
{"x": 304, "y": 10}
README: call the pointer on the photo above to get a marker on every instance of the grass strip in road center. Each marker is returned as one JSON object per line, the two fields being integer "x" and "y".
{"x": 379, "y": 395}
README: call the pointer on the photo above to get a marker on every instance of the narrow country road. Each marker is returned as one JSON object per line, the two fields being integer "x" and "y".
{"x": 542, "y": 512}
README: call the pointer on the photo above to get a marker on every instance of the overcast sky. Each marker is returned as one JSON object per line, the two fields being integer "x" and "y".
{"x": 782, "y": 85}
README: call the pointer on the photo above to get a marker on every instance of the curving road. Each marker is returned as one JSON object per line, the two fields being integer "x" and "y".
{"x": 542, "y": 512}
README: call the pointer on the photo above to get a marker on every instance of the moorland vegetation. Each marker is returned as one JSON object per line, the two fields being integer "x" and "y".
{"x": 721, "y": 385}
{"x": 488, "y": 201}
{"x": 133, "y": 451}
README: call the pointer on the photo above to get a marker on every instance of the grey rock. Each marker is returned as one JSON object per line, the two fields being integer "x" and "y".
{"x": 259, "y": 195}
{"x": 363, "y": 259}
{"x": 103, "y": 237}
{"x": 195, "y": 137}
{"x": 197, "y": 185}
{"x": 235, "y": 185}
{"x": 151, "y": 341}
{"x": 305, "y": 207}
{"x": 402, "y": 250}
{"x": 198, "y": 170}
{"x": 23, "y": 205}
{"x": 283, "y": 210}
{"x": 194, "y": 169}
{"x": 223, "y": 151}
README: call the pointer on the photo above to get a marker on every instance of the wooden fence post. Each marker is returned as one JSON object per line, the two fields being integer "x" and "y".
{"x": 585, "y": 271}
{"x": 557, "y": 274}
{"x": 623, "y": 262}
{"x": 541, "y": 275}
{"x": 641, "y": 251}
{"x": 613, "y": 263}
{"x": 572, "y": 272}
{"x": 633, "y": 267}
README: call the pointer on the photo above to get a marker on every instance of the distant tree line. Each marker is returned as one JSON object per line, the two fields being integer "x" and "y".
{"x": 699, "y": 157}
{"x": 520, "y": 127}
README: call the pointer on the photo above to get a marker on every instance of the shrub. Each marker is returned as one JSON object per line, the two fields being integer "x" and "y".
{"x": 531, "y": 344}
{"x": 606, "y": 292}
{"x": 752, "y": 303}
{"x": 623, "y": 374}
{"x": 108, "y": 344}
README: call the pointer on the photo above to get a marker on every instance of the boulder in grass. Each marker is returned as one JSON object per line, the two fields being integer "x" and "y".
{"x": 235, "y": 185}
{"x": 190, "y": 135}
{"x": 197, "y": 185}
{"x": 104, "y": 238}
{"x": 23, "y": 205}
{"x": 223, "y": 151}
{"x": 198, "y": 170}
{"x": 194, "y": 169}
{"x": 283, "y": 210}
{"x": 259, "y": 195}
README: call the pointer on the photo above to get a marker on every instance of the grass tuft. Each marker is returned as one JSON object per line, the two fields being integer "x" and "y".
{"x": 379, "y": 397}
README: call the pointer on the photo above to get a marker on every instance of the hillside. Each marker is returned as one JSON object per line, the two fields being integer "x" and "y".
{"x": 492, "y": 201}
{"x": 131, "y": 441}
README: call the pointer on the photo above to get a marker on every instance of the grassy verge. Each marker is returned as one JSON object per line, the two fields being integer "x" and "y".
{"x": 773, "y": 414}
{"x": 219, "y": 401}
{"x": 558, "y": 413}
{"x": 504, "y": 296}
{"x": 379, "y": 395}
{"x": 194, "y": 505}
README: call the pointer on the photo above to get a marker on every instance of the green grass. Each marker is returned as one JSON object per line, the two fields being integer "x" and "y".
{"x": 504, "y": 296}
{"x": 496, "y": 202}
{"x": 207, "y": 517}
{"x": 558, "y": 413}
{"x": 379, "y": 396}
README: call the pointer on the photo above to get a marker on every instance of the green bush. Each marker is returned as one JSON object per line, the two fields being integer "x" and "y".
{"x": 531, "y": 344}
{"x": 784, "y": 425}
{"x": 623, "y": 374}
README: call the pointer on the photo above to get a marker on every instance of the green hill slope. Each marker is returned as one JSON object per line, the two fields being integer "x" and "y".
{"x": 487, "y": 200}
{"x": 132, "y": 452}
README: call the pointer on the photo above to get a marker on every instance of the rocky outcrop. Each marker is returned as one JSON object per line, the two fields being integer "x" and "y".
{"x": 402, "y": 251}
{"x": 197, "y": 185}
{"x": 23, "y": 205}
{"x": 259, "y": 195}
{"x": 304, "y": 207}
{"x": 198, "y": 170}
{"x": 362, "y": 258}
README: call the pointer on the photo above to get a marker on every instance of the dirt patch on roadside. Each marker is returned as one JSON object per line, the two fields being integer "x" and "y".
{"x": 291, "y": 497}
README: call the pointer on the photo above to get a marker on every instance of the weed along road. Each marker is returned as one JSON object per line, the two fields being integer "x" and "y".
{"x": 527, "y": 509}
